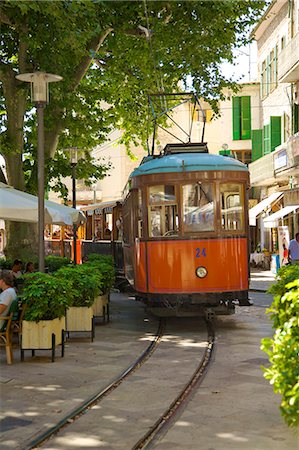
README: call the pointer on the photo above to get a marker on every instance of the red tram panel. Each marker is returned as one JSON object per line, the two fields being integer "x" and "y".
{"x": 169, "y": 267}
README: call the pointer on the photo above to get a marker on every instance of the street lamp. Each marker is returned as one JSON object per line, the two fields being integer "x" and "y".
{"x": 40, "y": 96}
{"x": 74, "y": 160}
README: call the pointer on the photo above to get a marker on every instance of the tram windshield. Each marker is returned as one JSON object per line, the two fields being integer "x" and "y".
{"x": 163, "y": 211}
{"x": 232, "y": 207}
{"x": 198, "y": 207}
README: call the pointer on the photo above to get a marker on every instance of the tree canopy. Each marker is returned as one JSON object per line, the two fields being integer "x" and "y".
{"x": 110, "y": 55}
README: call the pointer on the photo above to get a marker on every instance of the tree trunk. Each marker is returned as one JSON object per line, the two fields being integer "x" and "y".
{"x": 21, "y": 237}
{"x": 21, "y": 241}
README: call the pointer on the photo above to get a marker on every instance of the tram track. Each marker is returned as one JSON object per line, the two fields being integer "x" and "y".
{"x": 163, "y": 423}
{"x": 165, "y": 420}
{"x": 98, "y": 396}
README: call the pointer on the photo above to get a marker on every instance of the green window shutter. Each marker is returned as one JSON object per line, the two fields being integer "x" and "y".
{"x": 257, "y": 144}
{"x": 275, "y": 132}
{"x": 295, "y": 118}
{"x": 266, "y": 139}
{"x": 236, "y": 118}
{"x": 245, "y": 117}
{"x": 275, "y": 65}
{"x": 268, "y": 75}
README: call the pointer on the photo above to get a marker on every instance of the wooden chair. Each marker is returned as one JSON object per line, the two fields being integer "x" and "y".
{"x": 18, "y": 310}
{"x": 5, "y": 337}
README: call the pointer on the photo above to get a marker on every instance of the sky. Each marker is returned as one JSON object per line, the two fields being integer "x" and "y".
{"x": 246, "y": 68}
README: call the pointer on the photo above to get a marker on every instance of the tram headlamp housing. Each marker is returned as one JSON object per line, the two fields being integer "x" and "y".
{"x": 201, "y": 272}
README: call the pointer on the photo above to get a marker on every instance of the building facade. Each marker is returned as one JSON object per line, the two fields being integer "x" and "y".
{"x": 275, "y": 166}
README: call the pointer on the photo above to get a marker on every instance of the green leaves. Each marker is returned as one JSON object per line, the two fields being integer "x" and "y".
{"x": 86, "y": 283}
{"x": 109, "y": 66}
{"x": 46, "y": 297}
{"x": 283, "y": 349}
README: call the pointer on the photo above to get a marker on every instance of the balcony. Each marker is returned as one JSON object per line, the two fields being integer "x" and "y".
{"x": 262, "y": 171}
{"x": 288, "y": 62}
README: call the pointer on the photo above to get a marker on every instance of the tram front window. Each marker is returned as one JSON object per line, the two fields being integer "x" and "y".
{"x": 232, "y": 207}
{"x": 163, "y": 215}
{"x": 198, "y": 207}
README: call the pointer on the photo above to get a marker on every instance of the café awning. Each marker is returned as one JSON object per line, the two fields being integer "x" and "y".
{"x": 272, "y": 221}
{"x": 98, "y": 207}
{"x": 20, "y": 206}
{"x": 263, "y": 205}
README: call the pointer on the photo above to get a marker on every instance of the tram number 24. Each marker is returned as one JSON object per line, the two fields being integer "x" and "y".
{"x": 200, "y": 252}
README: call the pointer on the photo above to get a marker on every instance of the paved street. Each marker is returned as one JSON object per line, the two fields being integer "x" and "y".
{"x": 234, "y": 408}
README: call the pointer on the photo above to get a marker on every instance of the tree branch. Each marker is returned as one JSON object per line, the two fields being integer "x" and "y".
{"x": 5, "y": 19}
{"x": 52, "y": 137}
{"x": 23, "y": 47}
{"x": 86, "y": 61}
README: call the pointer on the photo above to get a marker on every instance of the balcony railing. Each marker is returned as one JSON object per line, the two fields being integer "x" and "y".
{"x": 262, "y": 170}
{"x": 288, "y": 61}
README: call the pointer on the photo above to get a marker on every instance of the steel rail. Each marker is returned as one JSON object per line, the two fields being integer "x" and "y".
{"x": 98, "y": 396}
{"x": 162, "y": 424}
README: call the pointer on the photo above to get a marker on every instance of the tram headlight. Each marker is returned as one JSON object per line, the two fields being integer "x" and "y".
{"x": 201, "y": 272}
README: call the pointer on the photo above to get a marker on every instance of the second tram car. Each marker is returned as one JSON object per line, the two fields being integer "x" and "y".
{"x": 185, "y": 238}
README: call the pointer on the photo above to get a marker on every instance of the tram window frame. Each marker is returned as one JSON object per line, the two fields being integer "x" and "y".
{"x": 189, "y": 231}
{"x": 161, "y": 206}
{"x": 232, "y": 191}
{"x": 140, "y": 228}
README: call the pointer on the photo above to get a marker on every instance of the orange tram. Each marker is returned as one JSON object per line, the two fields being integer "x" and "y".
{"x": 185, "y": 232}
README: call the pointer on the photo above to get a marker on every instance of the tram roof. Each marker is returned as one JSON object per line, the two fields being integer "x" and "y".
{"x": 191, "y": 162}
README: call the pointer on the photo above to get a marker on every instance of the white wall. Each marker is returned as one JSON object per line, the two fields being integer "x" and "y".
{"x": 220, "y": 130}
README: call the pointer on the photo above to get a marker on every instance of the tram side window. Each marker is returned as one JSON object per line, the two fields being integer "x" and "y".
{"x": 140, "y": 223}
{"x": 198, "y": 207}
{"x": 232, "y": 207}
{"x": 163, "y": 211}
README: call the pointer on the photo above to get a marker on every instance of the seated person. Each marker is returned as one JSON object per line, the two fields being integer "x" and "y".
{"x": 107, "y": 233}
{"x": 29, "y": 267}
{"x": 8, "y": 294}
{"x": 16, "y": 269}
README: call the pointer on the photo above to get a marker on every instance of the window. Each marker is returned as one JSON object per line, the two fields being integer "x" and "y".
{"x": 163, "y": 215}
{"x": 282, "y": 43}
{"x": 273, "y": 69}
{"x": 272, "y": 134}
{"x": 241, "y": 118}
{"x": 264, "y": 80}
{"x": 269, "y": 73}
{"x": 139, "y": 215}
{"x": 232, "y": 207}
{"x": 286, "y": 127}
{"x": 198, "y": 207}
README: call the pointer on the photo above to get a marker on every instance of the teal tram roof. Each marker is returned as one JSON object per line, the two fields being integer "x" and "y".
{"x": 187, "y": 162}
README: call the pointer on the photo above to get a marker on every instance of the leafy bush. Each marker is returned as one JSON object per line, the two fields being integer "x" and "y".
{"x": 6, "y": 264}
{"x": 107, "y": 259}
{"x": 105, "y": 265}
{"x": 86, "y": 283}
{"x": 53, "y": 263}
{"x": 283, "y": 349}
{"x": 107, "y": 271}
{"x": 46, "y": 296}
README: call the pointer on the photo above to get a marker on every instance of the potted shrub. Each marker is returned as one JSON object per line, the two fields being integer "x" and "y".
{"x": 53, "y": 263}
{"x": 46, "y": 298}
{"x": 104, "y": 264}
{"x": 86, "y": 283}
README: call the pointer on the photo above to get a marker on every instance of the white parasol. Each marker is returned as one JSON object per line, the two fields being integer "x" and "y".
{"x": 22, "y": 207}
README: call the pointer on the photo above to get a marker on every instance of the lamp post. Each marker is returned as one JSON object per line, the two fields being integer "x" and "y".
{"x": 40, "y": 96}
{"x": 74, "y": 160}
